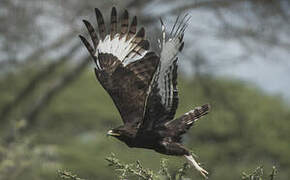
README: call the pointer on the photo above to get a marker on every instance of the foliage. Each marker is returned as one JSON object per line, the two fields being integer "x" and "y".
{"x": 65, "y": 175}
{"x": 134, "y": 169}
{"x": 245, "y": 128}
{"x": 22, "y": 159}
{"x": 137, "y": 170}
{"x": 129, "y": 171}
{"x": 258, "y": 174}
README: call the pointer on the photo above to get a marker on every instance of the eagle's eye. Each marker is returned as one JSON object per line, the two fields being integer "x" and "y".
{"x": 113, "y": 133}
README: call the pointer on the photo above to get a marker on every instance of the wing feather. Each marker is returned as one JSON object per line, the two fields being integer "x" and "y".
{"x": 128, "y": 85}
{"x": 133, "y": 29}
{"x": 101, "y": 24}
{"x": 90, "y": 49}
{"x": 92, "y": 33}
{"x": 124, "y": 67}
{"x": 163, "y": 99}
{"x": 124, "y": 24}
{"x": 114, "y": 22}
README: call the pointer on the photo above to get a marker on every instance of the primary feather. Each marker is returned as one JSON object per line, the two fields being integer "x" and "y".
{"x": 126, "y": 45}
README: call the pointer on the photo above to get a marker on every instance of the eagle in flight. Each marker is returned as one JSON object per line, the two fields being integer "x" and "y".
{"x": 143, "y": 84}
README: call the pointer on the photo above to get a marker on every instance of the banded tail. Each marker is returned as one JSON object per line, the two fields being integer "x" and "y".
{"x": 193, "y": 115}
{"x": 184, "y": 122}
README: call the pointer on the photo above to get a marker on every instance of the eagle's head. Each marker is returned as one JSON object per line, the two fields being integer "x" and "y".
{"x": 123, "y": 133}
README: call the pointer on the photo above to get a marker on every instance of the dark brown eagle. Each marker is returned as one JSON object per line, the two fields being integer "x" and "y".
{"x": 142, "y": 84}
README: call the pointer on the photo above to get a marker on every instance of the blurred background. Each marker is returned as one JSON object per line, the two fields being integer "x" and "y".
{"x": 55, "y": 115}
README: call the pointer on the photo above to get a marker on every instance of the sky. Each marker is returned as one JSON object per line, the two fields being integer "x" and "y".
{"x": 268, "y": 68}
{"x": 265, "y": 66}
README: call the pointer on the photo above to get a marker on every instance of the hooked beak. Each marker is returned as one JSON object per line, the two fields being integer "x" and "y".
{"x": 111, "y": 133}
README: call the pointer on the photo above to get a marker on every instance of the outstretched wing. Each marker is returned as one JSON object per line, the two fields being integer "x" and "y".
{"x": 124, "y": 66}
{"x": 163, "y": 98}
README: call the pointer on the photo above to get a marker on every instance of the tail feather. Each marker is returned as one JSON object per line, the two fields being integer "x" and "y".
{"x": 183, "y": 123}
{"x": 195, "y": 114}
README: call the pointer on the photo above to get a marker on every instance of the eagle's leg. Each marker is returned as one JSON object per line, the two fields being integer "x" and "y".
{"x": 177, "y": 149}
{"x": 196, "y": 165}
{"x": 171, "y": 148}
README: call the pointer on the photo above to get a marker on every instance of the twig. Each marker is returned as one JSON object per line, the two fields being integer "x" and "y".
{"x": 126, "y": 169}
{"x": 274, "y": 173}
{"x": 35, "y": 55}
{"x": 182, "y": 171}
{"x": 68, "y": 175}
{"x": 257, "y": 174}
{"x": 164, "y": 169}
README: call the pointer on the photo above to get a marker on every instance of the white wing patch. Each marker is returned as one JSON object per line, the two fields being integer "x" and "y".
{"x": 120, "y": 48}
{"x": 127, "y": 44}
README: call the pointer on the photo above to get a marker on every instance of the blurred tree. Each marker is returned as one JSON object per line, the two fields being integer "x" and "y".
{"x": 19, "y": 29}
{"x": 239, "y": 133}
{"x": 39, "y": 47}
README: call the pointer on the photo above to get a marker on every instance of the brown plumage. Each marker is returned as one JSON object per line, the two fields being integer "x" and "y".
{"x": 101, "y": 24}
{"x": 142, "y": 84}
{"x": 133, "y": 28}
{"x": 114, "y": 22}
{"x": 124, "y": 24}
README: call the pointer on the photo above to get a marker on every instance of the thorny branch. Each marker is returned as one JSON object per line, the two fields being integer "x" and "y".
{"x": 66, "y": 175}
{"x": 258, "y": 174}
{"x": 127, "y": 169}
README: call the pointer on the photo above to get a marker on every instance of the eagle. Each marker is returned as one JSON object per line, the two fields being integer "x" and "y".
{"x": 143, "y": 83}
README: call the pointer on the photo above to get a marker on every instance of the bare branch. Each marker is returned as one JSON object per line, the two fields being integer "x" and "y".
{"x": 204, "y": 4}
{"x": 56, "y": 88}
{"x": 35, "y": 55}
{"x": 35, "y": 81}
